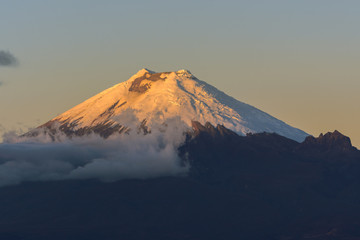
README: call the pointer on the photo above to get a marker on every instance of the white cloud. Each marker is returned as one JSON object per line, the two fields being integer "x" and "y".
{"x": 118, "y": 157}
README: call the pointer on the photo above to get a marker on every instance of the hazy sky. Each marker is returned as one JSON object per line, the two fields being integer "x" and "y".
{"x": 296, "y": 60}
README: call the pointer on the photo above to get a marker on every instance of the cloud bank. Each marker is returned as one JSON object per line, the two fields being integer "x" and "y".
{"x": 92, "y": 157}
{"x": 7, "y": 59}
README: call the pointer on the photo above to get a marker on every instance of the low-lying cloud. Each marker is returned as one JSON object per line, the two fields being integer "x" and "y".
{"x": 118, "y": 157}
{"x": 7, "y": 59}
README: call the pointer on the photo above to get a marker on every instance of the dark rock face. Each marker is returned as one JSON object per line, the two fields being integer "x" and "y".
{"x": 138, "y": 86}
{"x": 261, "y": 186}
{"x": 71, "y": 129}
{"x": 53, "y": 128}
{"x": 334, "y": 141}
{"x": 104, "y": 130}
{"x": 209, "y": 129}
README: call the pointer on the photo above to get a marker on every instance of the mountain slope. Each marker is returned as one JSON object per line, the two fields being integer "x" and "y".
{"x": 151, "y": 100}
{"x": 259, "y": 187}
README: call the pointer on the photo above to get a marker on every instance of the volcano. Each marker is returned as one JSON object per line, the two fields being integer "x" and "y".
{"x": 156, "y": 100}
{"x": 146, "y": 182}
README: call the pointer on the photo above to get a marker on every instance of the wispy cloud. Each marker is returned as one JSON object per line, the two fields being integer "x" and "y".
{"x": 7, "y": 59}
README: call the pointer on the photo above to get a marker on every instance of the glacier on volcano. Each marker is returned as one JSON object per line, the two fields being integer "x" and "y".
{"x": 151, "y": 100}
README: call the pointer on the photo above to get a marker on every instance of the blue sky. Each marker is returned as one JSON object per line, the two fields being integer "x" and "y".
{"x": 297, "y": 60}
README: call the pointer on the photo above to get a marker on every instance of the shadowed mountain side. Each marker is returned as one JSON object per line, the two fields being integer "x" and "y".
{"x": 261, "y": 186}
{"x": 330, "y": 143}
{"x": 217, "y": 153}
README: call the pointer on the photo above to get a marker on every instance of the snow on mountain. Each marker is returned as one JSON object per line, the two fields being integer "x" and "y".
{"x": 151, "y": 100}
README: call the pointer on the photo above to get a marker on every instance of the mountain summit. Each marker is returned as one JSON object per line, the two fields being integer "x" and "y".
{"x": 154, "y": 100}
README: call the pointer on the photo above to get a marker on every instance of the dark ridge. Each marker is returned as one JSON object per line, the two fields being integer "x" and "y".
{"x": 122, "y": 104}
{"x": 331, "y": 141}
{"x": 210, "y": 130}
{"x": 53, "y": 128}
{"x": 110, "y": 110}
{"x": 137, "y": 87}
{"x": 105, "y": 130}
{"x": 261, "y": 187}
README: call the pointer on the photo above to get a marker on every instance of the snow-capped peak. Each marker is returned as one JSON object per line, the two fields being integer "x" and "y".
{"x": 184, "y": 72}
{"x": 143, "y": 71}
{"x": 149, "y": 99}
